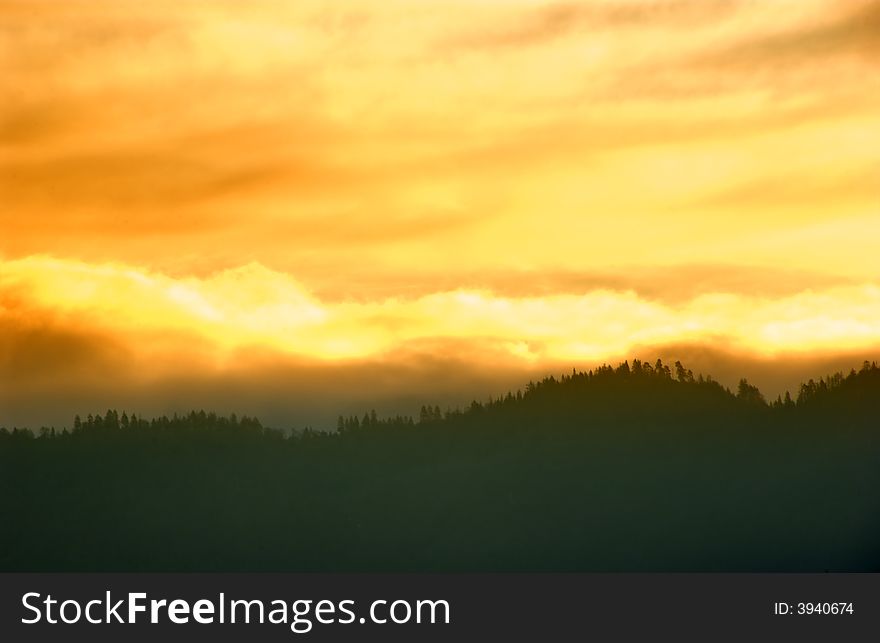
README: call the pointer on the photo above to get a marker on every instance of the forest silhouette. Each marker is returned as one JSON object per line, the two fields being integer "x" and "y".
{"x": 639, "y": 467}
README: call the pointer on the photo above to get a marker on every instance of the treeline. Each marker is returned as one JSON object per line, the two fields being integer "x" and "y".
{"x": 636, "y": 467}
{"x": 195, "y": 421}
{"x": 578, "y": 382}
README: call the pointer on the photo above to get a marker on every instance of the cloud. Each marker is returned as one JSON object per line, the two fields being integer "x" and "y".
{"x": 668, "y": 285}
{"x": 188, "y": 137}
{"x": 817, "y": 55}
{"x": 31, "y": 31}
{"x": 856, "y": 33}
{"x": 44, "y": 351}
{"x": 31, "y": 123}
{"x": 558, "y": 20}
{"x": 497, "y": 186}
{"x": 80, "y": 338}
{"x": 814, "y": 59}
{"x": 252, "y": 306}
{"x": 796, "y": 190}
{"x": 540, "y": 26}
{"x": 144, "y": 179}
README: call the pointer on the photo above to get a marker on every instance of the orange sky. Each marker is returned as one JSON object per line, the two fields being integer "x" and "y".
{"x": 515, "y": 184}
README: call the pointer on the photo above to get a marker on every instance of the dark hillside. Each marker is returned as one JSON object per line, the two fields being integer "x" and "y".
{"x": 639, "y": 467}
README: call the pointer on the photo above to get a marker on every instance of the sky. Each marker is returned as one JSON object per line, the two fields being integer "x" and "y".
{"x": 291, "y": 208}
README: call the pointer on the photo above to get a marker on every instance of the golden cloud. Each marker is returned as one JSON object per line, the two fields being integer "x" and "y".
{"x": 523, "y": 183}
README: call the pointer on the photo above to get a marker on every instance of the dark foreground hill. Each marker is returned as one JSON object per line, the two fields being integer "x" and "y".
{"x": 628, "y": 468}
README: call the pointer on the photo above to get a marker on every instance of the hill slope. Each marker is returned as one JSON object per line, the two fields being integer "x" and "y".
{"x": 638, "y": 467}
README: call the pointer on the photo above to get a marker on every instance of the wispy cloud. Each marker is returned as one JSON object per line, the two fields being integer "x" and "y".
{"x": 856, "y": 32}
{"x": 539, "y": 25}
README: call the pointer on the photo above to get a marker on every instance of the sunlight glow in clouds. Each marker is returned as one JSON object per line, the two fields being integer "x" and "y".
{"x": 253, "y": 306}
{"x": 528, "y": 181}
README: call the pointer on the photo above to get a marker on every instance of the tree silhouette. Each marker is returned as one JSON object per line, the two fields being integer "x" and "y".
{"x": 748, "y": 393}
